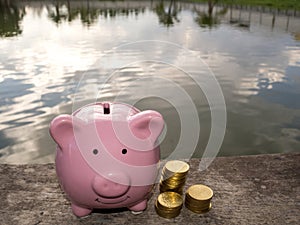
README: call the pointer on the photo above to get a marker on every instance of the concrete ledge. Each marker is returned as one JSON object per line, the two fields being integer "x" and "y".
{"x": 262, "y": 189}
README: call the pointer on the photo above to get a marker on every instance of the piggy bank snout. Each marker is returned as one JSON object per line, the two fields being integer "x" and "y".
{"x": 111, "y": 185}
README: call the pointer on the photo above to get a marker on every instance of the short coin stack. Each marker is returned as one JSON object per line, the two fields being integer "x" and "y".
{"x": 174, "y": 176}
{"x": 168, "y": 204}
{"x": 198, "y": 197}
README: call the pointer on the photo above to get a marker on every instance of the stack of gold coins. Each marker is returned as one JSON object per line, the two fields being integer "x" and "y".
{"x": 174, "y": 176}
{"x": 168, "y": 204}
{"x": 198, "y": 197}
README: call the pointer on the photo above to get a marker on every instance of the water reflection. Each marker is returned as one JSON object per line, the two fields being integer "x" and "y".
{"x": 257, "y": 67}
{"x": 167, "y": 15}
{"x": 10, "y": 17}
{"x": 208, "y": 14}
{"x": 208, "y": 19}
{"x": 87, "y": 12}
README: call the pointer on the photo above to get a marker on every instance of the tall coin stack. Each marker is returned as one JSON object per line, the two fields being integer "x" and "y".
{"x": 168, "y": 204}
{"x": 174, "y": 176}
{"x": 198, "y": 197}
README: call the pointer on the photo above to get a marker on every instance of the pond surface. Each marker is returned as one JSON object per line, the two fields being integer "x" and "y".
{"x": 52, "y": 60}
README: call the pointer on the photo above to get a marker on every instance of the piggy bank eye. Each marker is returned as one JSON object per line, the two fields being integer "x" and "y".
{"x": 95, "y": 151}
{"x": 124, "y": 151}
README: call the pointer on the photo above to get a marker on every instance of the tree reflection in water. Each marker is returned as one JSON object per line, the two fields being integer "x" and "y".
{"x": 64, "y": 12}
{"x": 10, "y": 18}
{"x": 206, "y": 14}
{"x": 208, "y": 19}
{"x": 167, "y": 15}
{"x": 87, "y": 14}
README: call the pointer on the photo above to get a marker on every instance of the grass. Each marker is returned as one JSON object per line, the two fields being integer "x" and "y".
{"x": 278, "y": 4}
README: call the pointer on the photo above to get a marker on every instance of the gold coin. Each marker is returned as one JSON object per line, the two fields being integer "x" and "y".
{"x": 172, "y": 185}
{"x": 174, "y": 175}
{"x": 176, "y": 166}
{"x": 200, "y": 192}
{"x": 170, "y": 200}
{"x": 166, "y": 173}
{"x": 173, "y": 178}
{"x": 197, "y": 206}
{"x": 165, "y": 209}
{"x": 199, "y": 210}
{"x": 168, "y": 204}
{"x": 188, "y": 198}
{"x": 167, "y": 215}
{"x": 177, "y": 179}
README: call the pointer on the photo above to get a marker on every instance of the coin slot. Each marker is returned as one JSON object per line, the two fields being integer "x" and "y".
{"x": 106, "y": 108}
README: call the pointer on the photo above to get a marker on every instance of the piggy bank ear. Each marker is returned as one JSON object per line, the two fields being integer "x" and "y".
{"x": 62, "y": 129}
{"x": 147, "y": 124}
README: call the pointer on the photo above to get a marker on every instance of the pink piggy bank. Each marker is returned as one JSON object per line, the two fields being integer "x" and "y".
{"x": 107, "y": 156}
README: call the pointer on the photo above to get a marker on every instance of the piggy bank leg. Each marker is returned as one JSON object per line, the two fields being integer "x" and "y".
{"x": 139, "y": 208}
{"x": 79, "y": 211}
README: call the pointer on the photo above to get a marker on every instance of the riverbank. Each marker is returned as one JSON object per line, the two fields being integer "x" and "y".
{"x": 261, "y": 189}
{"x": 278, "y": 4}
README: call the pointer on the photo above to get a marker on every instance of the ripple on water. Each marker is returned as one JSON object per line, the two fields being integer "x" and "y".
{"x": 57, "y": 60}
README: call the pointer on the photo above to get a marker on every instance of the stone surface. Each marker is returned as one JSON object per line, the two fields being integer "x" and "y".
{"x": 262, "y": 189}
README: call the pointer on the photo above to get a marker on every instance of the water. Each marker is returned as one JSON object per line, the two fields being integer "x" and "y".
{"x": 46, "y": 49}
